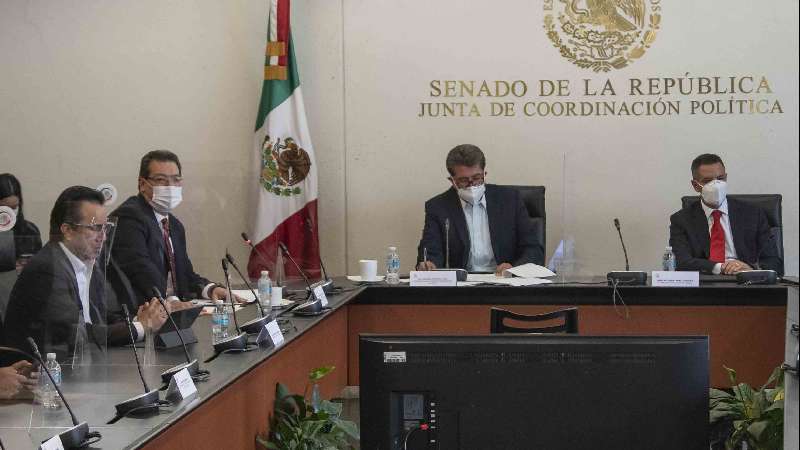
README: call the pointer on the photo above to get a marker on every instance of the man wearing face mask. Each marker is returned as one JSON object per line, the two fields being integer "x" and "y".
{"x": 719, "y": 235}
{"x": 487, "y": 224}
{"x": 150, "y": 244}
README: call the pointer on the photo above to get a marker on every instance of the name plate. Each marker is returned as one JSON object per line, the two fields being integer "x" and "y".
{"x": 271, "y": 334}
{"x": 181, "y": 386}
{"x": 675, "y": 279}
{"x": 433, "y": 278}
{"x": 319, "y": 293}
{"x": 54, "y": 443}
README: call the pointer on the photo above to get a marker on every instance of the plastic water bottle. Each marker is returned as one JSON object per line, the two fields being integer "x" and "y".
{"x": 668, "y": 263}
{"x": 219, "y": 322}
{"x": 48, "y": 396}
{"x": 265, "y": 291}
{"x": 392, "y": 266}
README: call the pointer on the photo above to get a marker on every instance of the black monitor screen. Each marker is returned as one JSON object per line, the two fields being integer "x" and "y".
{"x": 533, "y": 392}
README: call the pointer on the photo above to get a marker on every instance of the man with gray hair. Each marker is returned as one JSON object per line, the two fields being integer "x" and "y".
{"x": 476, "y": 226}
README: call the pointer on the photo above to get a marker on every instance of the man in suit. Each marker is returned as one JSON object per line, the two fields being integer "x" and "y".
{"x": 59, "y": 298}
{"x": 150, "y": 244}
{"x": 718, "y": 235}
{"x": 488, "y": 225}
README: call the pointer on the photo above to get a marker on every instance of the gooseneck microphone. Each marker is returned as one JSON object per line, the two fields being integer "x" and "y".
{"x": 255, "y": 249}
{"x": 326, "y": 282}
{"x": 624, "y": 250}
{"x": 143, "y": 403}
{"x": 75, "y": 437}
{"x": 312, "y": 305}
{"x": 191, "y": 364}
{"x": 239, "y": 341}
{"x": 297, "y": 266}
{"x": 252, "y": 326}
{"x": 447, "y": 243}
{"x": 627, "y": 277}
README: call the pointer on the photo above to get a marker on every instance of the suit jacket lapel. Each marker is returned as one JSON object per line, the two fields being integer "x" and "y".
{"x": 458, "y": 223}
{"x": 155, "y": 227}
{"x": 699, "y": 223}
{"x": 733, "y": 216}
{"x": 493, "y": 210}
{"x": 64, "y": 266}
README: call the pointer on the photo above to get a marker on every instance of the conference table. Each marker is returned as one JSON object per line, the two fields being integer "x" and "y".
{"x": 745, "y": 325}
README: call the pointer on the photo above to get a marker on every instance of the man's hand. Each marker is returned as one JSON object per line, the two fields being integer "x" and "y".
{"x": 152, "y": 315}
{"x": 426, "y": 265}
{"x": 220, "y": 293}
{"x": 17, "y": 378}
{"x": 734, "y": 266}
{"x": 502, "y": 267}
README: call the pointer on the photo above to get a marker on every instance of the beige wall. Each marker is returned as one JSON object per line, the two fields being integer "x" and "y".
{"x": 87, "y": 87}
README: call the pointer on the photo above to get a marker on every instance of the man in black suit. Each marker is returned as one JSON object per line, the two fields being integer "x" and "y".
{"x": 488, "y": 225}
{"x": 719, "y": 235}
{"x": 150, "y": 244}
{"x": 59, "y": 298}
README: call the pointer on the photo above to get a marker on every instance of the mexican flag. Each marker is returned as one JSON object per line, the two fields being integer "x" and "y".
{"x": 285, "y": 190}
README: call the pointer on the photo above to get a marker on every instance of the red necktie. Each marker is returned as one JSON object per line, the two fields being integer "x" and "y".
{"x": 717, "y": 252}
{"x": 170, "y": 254}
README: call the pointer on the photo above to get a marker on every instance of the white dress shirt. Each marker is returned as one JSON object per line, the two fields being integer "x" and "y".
{"x": 83, "y": 277}
{"x": 730, "y": 250}
{"x": 481, "y": 255}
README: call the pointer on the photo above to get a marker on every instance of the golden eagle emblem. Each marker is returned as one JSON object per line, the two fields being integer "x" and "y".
{"x": 602, "y": 34}
{"x": 283, "y": 166}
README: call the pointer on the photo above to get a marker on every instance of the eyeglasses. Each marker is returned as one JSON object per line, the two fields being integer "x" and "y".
{"x": 95, "y": 227}
{"x": 701, "y": 183}
{"x": 463, "y": 182}
{"x": 166, "y": 180}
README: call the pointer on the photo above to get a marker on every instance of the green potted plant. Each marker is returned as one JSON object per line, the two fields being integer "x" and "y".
{"x": 754, "y": 418}
{"x": 300, "y": 424}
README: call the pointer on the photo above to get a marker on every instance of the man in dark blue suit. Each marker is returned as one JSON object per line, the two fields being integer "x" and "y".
{"x": 718, "y": 235}
{"x": 150, "y": 244}
{"x": 487, "y": 225}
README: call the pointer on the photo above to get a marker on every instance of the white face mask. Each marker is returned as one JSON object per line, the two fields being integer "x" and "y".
{"x": 714, "y": 193}
{"x": 472, "y": 194}
{"x": 16, "y": 211}
{"x": 166, "y": 198}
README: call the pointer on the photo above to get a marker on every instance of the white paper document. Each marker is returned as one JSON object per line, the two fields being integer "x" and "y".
{"x": 490, "y": 278}
{"x": 531, "y": 270}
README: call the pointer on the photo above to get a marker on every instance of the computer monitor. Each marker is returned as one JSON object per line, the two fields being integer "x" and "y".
{"x": 533, "y": 392}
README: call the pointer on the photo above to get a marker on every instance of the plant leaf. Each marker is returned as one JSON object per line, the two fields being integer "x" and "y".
{"x": 318, "y": 373}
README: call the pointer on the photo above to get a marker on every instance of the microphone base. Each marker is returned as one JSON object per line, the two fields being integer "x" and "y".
{"x": 327, "y": 286}
{"x": 74, "y": 437}
{"x": 309, "y": 307}
{"x": 193, "y": 366}
{"x": 757, "y": 277}
{"x": 627, "y": 278}
{"x": 141, "y": 401}
{"x": 254, "y": 326}
{"x": 238, "y": 342}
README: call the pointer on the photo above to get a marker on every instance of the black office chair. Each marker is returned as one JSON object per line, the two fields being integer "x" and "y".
{"x": 770, "y": 203}
{"x": 533, "y": 197}
{"x": 570, "y": 325}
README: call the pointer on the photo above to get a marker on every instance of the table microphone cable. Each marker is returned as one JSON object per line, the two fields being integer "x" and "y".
{"x": 615, "y": 293}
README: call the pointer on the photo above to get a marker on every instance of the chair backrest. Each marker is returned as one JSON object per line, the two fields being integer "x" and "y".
{"x": 570, "y": 325}
{"x": 770, "y": 203}
{"x": 533, "y": 198}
